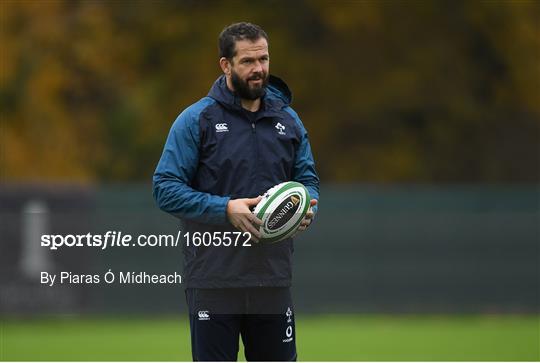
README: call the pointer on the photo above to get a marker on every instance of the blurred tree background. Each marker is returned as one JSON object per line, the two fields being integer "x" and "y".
{"x": 391, "y": 91}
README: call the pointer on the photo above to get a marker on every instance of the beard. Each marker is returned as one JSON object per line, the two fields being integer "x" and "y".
{"x": 243, "y": 89}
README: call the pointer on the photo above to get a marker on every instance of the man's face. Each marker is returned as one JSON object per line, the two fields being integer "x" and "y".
{"x": 250, "y": 68}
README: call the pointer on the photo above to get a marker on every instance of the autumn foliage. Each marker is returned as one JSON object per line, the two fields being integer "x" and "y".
{"x": 390, "y": 91}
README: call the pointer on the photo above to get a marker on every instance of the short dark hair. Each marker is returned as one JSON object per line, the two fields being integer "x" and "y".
{"x": 235, "y": 32}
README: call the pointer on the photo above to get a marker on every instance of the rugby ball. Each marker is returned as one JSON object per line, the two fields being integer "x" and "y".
{"x": 281, "y": 210}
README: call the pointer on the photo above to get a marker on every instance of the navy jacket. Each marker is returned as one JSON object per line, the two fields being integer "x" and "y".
{"x": 214, "y": 152}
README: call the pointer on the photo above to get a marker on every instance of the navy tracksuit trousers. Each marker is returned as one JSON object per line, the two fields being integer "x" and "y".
{"x": 263, "y": 317}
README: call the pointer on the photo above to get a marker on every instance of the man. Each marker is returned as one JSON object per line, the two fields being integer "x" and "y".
{"x": 221, "y": 154}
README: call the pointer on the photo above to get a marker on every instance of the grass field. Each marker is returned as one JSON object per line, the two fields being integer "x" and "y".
{"x": 336, "y": 337}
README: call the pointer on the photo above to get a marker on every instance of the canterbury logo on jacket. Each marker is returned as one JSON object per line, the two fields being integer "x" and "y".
{"x": 215, "y": 152}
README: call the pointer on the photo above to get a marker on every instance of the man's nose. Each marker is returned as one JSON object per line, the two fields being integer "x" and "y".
{"x": 257, "y": 67}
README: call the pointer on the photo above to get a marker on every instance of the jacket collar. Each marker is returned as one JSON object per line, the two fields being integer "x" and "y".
{"x": 277, "y": 96}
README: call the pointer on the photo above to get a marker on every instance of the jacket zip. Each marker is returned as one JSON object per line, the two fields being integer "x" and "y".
{"x": 259, "y": 251}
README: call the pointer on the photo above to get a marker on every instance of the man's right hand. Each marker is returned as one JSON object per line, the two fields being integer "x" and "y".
{"x": 241, "y": 218}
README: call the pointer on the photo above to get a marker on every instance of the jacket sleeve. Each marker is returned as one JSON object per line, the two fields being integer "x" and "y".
{"x": 176, "y": 169}
{"x": 304, "y": 165}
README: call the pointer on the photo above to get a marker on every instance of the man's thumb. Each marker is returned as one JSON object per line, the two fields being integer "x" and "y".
{"x": 254, "y": 201}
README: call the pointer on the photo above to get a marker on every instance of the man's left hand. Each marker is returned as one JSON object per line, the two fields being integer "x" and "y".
{"x": 308, "y": 218}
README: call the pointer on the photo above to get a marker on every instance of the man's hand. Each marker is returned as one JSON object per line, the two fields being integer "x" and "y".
{"x": 241, "y": 218}
{"x": 308, "y": 218}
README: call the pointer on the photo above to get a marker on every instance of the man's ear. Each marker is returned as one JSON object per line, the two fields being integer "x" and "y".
{"x": 225, "y": 65}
